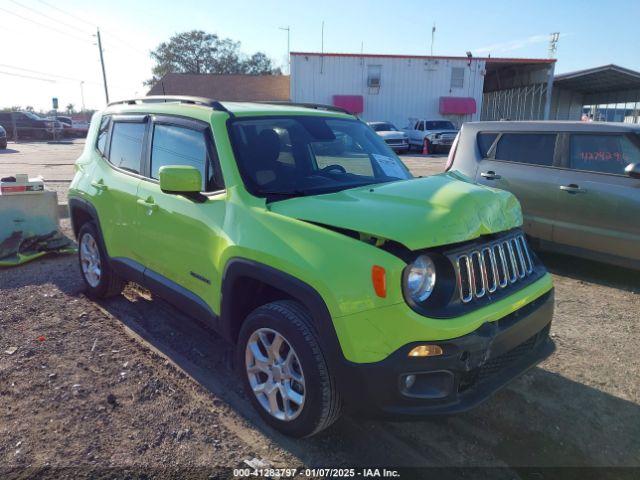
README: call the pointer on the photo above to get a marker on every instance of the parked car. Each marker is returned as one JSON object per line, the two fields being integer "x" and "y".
{"x": 29, "y": 125}
{"x": 341, "y": 280}
{"x": 397, "y": 140}
{"x": 3, "y": 138}
{"x": 578, "y": 183}
{"x": 71, "y": 127}
{"x": 439, "y": 134}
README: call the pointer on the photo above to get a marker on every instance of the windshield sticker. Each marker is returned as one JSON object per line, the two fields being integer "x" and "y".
{"x": 389, "y": 166}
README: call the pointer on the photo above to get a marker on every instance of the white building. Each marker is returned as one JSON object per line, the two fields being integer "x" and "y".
{"x": 399, "y": 87}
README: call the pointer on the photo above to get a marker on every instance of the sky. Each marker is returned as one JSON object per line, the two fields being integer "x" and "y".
{"x": 48, "y": 46}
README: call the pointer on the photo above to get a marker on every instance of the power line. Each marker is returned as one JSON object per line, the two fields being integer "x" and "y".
{"x": 93, "y": 24}
{"x": 37, "y": 12}
{"x": 43, "y": 73}
{"x": 45, "y": 26}
{"x": 28, "y": 76}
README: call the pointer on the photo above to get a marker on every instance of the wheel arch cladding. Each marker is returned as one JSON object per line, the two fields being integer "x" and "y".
{"x": 237, "y": 302}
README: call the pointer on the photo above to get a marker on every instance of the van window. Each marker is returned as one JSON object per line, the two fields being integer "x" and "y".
{"x": 529, "y": 148}
{"x": 126, "y": 145}
{"x": 173, "y": 145}
{"x": 602, "y": 153}
{"x": 485, "y": 140}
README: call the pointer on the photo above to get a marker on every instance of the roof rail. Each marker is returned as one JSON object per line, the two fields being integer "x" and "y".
{"x": 316, "y": 106}
{"x": 205, "y": 102}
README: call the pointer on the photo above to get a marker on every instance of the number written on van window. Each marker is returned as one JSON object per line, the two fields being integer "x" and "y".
{"x": 529, "y": 148}
{"x": 602, "y": 153}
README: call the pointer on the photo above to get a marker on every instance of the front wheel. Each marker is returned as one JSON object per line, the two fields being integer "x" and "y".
{"x": 100, "y": 280}
{"x": 284, "y": 370}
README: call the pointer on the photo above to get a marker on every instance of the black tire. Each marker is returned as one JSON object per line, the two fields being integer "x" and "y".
{"x": 3, "y": 145}
{"x": 109, "y": 283}
{"x": 322, "y": 404}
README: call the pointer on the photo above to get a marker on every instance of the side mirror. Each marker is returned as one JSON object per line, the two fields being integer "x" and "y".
{"x": 633, "y": 170}
{"x": 180, "y": 179}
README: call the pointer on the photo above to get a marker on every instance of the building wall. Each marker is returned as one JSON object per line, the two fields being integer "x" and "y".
{"x": 566, "y": 104}
{"x": 409, "y": 87}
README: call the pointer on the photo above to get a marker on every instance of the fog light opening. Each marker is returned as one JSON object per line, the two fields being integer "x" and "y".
{"x": 409, "y": 380}
{"x": 426, "y": 351}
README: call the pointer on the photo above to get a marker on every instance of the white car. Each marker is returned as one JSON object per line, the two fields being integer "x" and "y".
{"x": 396, "y": 139}
{"x": 438, "y": 133}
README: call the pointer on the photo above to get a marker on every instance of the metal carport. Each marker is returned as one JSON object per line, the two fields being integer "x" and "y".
{"x": 607, "y": 93}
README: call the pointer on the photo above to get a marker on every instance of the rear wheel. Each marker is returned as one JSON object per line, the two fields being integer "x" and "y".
{"x": 100, "y": 280}
{"x": 284, "y": 370}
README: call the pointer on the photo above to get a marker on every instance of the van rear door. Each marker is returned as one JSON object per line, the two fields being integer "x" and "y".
{"x": 598, "y": 205}
{"x": 523, "y": 164}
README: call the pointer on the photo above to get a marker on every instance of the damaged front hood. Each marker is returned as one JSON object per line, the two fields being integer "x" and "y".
{"x": 420, "y": 213}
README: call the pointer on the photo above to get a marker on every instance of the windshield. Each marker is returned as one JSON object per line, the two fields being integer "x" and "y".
{"x": 281, "y": 157}
{"x": 32, "y": 116}
{"x": 440, "y": 125}
{"x": 384, "y": 127}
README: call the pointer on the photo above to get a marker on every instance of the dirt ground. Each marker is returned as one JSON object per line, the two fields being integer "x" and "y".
{"x": 131, "y": 382}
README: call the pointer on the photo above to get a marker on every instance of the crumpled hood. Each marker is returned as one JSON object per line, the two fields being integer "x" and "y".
{"x": 420, "y": 213}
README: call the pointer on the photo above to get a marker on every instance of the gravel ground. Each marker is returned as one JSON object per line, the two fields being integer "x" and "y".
{"x": 132, "y": 382}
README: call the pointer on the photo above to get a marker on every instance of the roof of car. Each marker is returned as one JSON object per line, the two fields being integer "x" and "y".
{"x": 553, "y": 125}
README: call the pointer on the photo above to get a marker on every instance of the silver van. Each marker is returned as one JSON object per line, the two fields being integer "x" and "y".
{"x": 578, "y": 183}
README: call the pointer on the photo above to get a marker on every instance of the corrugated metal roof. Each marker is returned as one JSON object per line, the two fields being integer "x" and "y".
{"x": 428, "y": 57}
{"x": 607, "y": 78}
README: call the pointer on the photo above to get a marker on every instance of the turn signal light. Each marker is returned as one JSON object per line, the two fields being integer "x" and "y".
{"x": 379, "y": 279}
{"x": 426, "y": 351}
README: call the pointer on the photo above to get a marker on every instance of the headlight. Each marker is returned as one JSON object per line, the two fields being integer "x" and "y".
{"x": 421, "y": 278}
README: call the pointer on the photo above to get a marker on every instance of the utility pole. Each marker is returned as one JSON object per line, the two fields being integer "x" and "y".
{"x": 82, "y": 93}
{"x": 288, "y": 30}
{"x": 104, "y": 73}
{"x": 322, "y": 50}
{"x": 433, "y": 35}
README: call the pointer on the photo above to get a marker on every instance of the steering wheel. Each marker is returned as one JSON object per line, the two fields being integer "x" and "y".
{"x": 339, "y": 168}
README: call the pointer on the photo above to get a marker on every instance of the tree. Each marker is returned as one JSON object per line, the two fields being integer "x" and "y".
{"x": 71, "y": 108}
{"x": 29, "y": 108}
{"x": 259, "y": 64}
{"x": 200, "y": 52}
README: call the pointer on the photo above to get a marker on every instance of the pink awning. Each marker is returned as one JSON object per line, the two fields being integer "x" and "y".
{"x": 457, "y": 105}
{"x": 351, "y": 103}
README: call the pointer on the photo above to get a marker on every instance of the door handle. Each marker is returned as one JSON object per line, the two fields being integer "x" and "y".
{"x": 572, "y": 188}
{"x": 99, "y": 185}
{"x": 490, "y": 175}
{"x": 150, "y": 205}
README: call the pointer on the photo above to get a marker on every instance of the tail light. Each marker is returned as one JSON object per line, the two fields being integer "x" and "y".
{"x": 452, "y": 154}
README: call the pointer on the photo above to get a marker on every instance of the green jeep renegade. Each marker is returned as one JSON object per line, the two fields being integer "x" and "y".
{"x": 304, "y": 241}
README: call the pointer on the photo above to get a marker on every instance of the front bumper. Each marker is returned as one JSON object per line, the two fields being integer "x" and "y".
{"x": 399, "y": 145}
{"x": 470, "y": 370}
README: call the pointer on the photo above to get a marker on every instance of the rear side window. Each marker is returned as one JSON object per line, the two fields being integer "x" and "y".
{"x": 101, "y": 143}
{"x": 126, "y": 145}
{"x": 174, "y": 145}
{"x": 485, "y": 140}
{"x": 602, "y": 153}
{"x": 529, "y": 148}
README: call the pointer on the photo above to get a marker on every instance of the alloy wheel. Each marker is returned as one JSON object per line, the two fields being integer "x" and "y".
{"x": 275, "y": 374}
{"x": 90, "y": 260}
